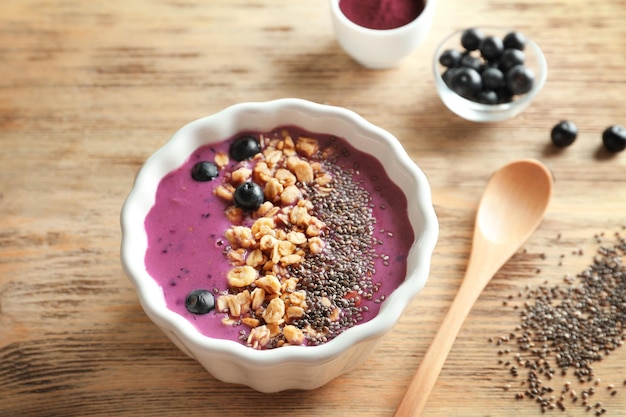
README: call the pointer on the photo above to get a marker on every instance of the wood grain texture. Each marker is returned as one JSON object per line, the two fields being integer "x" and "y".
{"x": 88, "y": 90}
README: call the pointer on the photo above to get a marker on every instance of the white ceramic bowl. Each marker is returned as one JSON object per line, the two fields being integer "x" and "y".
{"x": 385, "y": 48}
{"x": 478, "y": 112}
{"x": 287, "y": 367}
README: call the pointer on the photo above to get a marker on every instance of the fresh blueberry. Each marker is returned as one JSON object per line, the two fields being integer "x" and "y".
{"x": 493, "y": 78}
{"x": 487, "y": 97}
{"x": 471, "y": 39}
{"x": 515, "y": 40}
{"x": 491, "y": 48}
{"x": 204, "y": 171}
{"x": 249, "y": 196}
{"x": 447, "y": 75}
{"x": 471, "y": 61}
{"x": 466, "y": 82}
{"x": 564, "y": 134}
{"x": 614, "y": 138}
{"x": 450, "y": 58}
{"x": 200, "y": 301}
{"x": 510, "y": 58}
{"x": 504, "y": 95}
{"x": 520, "y": 79}
{"x": 244, "y": 147}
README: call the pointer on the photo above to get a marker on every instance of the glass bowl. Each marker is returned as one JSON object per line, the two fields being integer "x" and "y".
{"x": 477, "y": 111}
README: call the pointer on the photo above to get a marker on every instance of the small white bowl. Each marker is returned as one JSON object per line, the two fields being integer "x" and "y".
{"x": 381, "y": 48}
{"x": 287, "y": 367}
{"x": 478, "y": 112}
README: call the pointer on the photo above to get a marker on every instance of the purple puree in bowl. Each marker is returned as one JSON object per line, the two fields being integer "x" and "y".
{"x": 366, "y": 239}
{"x": 382, "y": 14}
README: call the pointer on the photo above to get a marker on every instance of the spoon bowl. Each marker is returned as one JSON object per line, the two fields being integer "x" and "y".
{"x": 511, "y": 208}
{"x": 527, "y": 198}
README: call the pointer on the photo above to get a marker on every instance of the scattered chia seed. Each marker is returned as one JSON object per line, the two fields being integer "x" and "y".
{"x": 566, "y": 329}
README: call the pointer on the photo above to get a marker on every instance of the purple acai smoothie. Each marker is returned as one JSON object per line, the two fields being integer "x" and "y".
{"x": 279, "y": 237}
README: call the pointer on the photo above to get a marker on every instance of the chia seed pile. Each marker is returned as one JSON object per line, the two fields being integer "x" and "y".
{"x": 342, "y": 274}
{"x": 565, "y": 329}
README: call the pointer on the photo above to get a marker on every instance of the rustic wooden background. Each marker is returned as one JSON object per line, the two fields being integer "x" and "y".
{"x": 88, "y": 90}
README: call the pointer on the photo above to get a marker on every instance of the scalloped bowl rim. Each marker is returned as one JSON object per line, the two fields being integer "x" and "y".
{"x": 173, "y": 154}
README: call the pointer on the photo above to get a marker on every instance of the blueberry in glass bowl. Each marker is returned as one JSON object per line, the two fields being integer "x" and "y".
{"x": 487, "y": 74}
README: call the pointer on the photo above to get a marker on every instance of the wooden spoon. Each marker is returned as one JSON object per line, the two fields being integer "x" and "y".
{"x": 510, "y": 210}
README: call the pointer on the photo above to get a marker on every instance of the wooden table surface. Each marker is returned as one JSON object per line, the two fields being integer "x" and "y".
{"x": 88, "y": 90}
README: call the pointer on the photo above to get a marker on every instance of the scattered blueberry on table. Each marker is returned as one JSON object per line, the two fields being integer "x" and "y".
{"x": 614, "y": 138}
{"x": 564, "y": 133}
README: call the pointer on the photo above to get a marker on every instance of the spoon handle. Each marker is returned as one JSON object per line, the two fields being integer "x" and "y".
{"x": 430, "y": 367}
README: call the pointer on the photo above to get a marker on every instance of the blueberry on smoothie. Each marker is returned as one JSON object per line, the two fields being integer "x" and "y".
{"x": 249, "y": 196}
{"x": 244, "y": 147}
{"x": 204, "y": 171}
{"x": 200, "y": 302}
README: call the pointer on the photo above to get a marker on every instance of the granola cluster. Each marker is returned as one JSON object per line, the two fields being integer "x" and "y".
{"x": 263, "y": 244}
